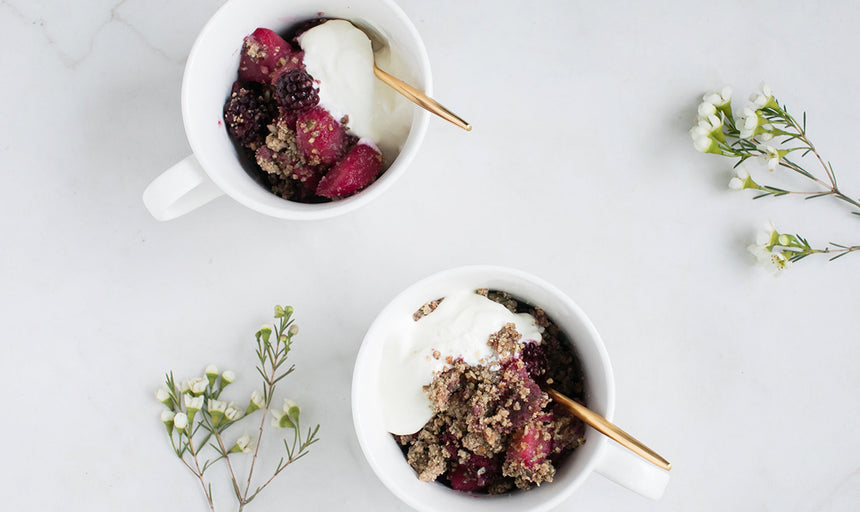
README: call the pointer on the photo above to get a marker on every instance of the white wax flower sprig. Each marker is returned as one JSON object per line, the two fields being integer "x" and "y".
{"x": 765, "y": 131}
{"x": 197, "y": 419}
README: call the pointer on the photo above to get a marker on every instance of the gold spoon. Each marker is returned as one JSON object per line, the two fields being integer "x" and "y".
{"x": 411, "y": 93}
{"x": 606, "y": 428}
{"x": 420, "y": 99}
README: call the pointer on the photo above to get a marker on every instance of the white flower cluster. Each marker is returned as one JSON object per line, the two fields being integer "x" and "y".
{"x": 708, "y": 131}
{"x": 715, "y": 109}
{"x": 185, "y": 400}
{"x": 753, "y": 123}
{"x": 716, "y": 121}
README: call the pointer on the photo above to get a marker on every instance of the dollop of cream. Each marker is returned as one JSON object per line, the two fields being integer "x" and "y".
{"x": 340, "y": 58}
{"x": 415, "y": 352}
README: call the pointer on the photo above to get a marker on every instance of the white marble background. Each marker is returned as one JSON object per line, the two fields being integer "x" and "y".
{"x": 579, "y": 169}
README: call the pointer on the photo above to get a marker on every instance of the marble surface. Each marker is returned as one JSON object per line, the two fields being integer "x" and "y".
{"x": 579, "y": 170}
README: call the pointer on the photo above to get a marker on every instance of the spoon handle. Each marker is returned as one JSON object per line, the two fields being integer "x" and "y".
{"x": 603, "y": 426}
{"x": 420, "y": 99}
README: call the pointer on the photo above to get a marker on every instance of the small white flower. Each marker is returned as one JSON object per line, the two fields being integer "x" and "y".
{"x": 762, "y": 98}
{"x": 718, "y": 98}
{"x": 180, "y": 421}
{"x": 197, "y": 385}
{"x": 232, "y": 413}
{"x": 748, "y": 124}
{"x": 699, "y": 130}
{"x": 243, "y": 444}
{"x": 255, "y": 403}
{"x": 227, "y": 377}
{"x": 703, "y": 143}
{"x": 773, "y": 260}
{"x": 167, "y": 416}
{"x": 711, "y": 126}
{"x": 292, "y": 408}
{"x": 768, "y": 235}
{"x": 288, "y": 417}
{"x": 217, "y": 409}
{"x": 217, "y": 406}
{"x": 294, "y": 329}
{"x": 739, "y": 181}
{"x": 771, "y": 156}
{"x": 706, "y": 109}
{"x": 211, "y": 373}
{"x": 192, "y": 402}
{"x": 163, "y": 396}
{"x": 280, "y": 419}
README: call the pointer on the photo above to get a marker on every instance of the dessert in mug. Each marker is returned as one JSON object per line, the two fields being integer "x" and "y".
{"x": 463, "y": 397}
{"x": 310, "y": 112}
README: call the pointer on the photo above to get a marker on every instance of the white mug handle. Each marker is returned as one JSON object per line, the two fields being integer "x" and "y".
{"x": 180, "y": 189}
{"x": 631, "y": 471}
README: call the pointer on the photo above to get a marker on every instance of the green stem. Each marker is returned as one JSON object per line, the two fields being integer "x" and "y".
{"x": 229, "y": 464}
{"x": 832, "y": 187}
{"x": 274, "y": 362}
{"x": 197, "y": 472}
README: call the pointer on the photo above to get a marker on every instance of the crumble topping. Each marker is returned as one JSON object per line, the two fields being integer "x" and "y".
{"x": 494, "y": 430}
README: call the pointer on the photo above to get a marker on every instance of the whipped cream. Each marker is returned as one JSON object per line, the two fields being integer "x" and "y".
{"x": 416, "y": 351}
{"x": 339, "y": 56}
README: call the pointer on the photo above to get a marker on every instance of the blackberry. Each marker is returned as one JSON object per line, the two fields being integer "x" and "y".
{"x": 294, "y": 90}
{"x": 535, "y": 360}
{"x": 248, "y": 111}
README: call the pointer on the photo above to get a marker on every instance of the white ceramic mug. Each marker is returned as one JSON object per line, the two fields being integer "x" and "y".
{"x": 598, "y": 454}
{"x": 215, "y": 167}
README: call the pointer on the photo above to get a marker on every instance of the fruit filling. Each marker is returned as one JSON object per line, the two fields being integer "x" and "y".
{"x": 314, "y": 138}
{"x": 492, "y": 428}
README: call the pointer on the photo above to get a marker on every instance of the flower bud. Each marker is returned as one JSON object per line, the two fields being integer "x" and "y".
{"x": 163, "y": 396}
{"x": 707, "y": 109}
{"x": 282, "y": 419}
{"x": 292, "y": 409}
{"x": 294, "y": 329}
{"x": 265, "y": 333}
{"x": 192, "y": 405}
{"x": 180, "y": 421}
{"x": 196, "y": 386}
{"x": 227, "y": 378}
{"x": 764, "y": 98}
{"x": 742, "y": 180}
{"x": 211, "y": 374}
{"x": 216, "y": 410}
{"x": 167, "y": 419}
{"x": 243, "y": 444}
{"x": 255, "y": 403}
{"x": 279, "y": 311}
{"x": 232, "y": 413}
